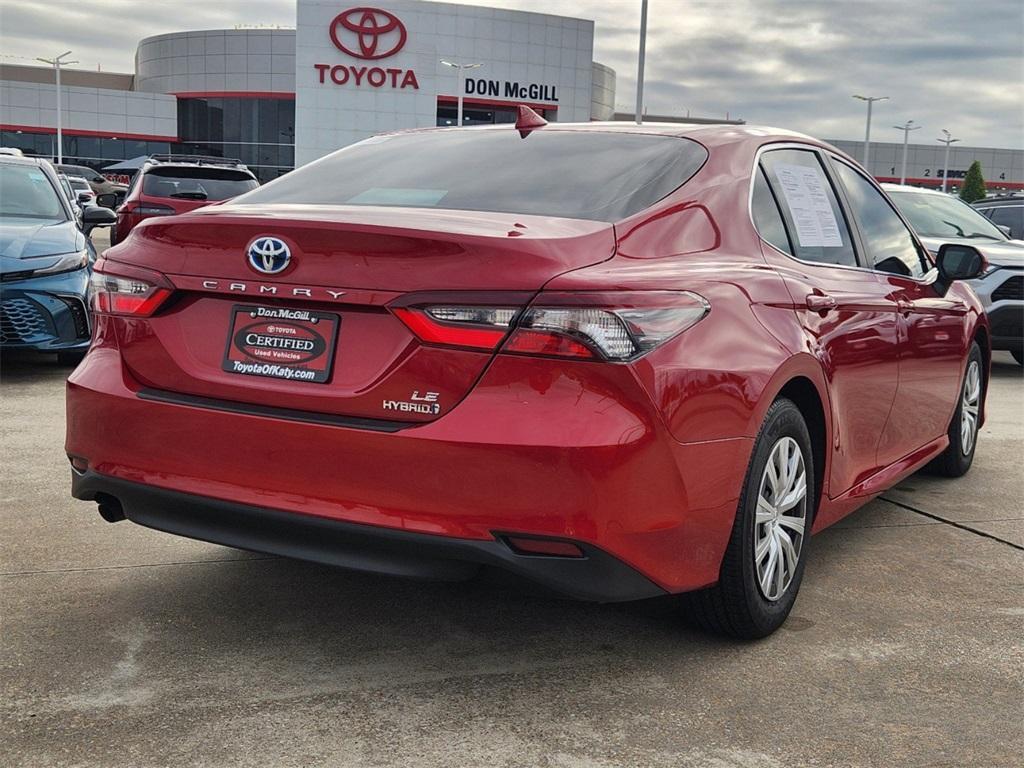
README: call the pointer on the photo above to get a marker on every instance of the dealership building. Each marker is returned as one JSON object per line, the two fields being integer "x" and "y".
{"x": 277, "y": 98}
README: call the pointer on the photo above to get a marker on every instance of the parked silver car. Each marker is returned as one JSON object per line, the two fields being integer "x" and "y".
{"x": 940, "y": 218}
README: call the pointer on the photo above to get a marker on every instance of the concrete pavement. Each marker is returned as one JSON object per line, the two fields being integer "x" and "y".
{"x": 127, "y": 647}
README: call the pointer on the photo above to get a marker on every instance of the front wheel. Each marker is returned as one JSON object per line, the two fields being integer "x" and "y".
{"x": 764, "y": 561}
{"x": 963, "y": 429}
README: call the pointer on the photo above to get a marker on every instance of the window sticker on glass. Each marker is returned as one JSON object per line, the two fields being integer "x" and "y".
{"x": 422, "y": 198}
{"x": 805, "y": 191}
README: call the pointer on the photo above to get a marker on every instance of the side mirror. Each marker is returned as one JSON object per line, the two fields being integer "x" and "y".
{"x": 1004, "y": 229}
{"x": 107, "y": 200}
{"x": 84, "y": 197}
{"x": 96, "y": 216}
{"x": 958, "y": 262}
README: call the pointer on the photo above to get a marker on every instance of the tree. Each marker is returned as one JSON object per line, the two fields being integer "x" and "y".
{"x": 974, "y": 184}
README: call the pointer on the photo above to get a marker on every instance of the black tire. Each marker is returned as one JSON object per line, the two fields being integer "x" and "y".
{"x": 1018, "y": 355}
{"x": 955, "y": 461}
{"x": 736, "y": 606}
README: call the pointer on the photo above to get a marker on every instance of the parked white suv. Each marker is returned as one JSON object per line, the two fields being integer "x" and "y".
{"x": 940, "y": 218}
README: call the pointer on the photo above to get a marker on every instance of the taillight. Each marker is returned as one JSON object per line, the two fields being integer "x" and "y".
{"x": 458, "y": 326}
{"x": 147, "y": 209}
{"x": 616, "y": 327}
{"x": 123, "y": 290}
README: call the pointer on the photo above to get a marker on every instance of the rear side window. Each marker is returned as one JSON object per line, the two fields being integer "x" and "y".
{"x": 583, "y": 174}
{"x": 766, "y": 214}
{"x": 1011, "y": 216}
{"x": 809, "y": 207}
{"x": 196, "y": 183}
{"x": 889, "y": 245}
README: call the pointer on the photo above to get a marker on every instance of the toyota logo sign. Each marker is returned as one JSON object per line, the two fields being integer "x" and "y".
{"x": 269, "y": 255}
{"x": 368, "y": 33}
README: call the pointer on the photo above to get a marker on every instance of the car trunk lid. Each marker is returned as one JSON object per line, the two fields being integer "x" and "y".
{"x": 347, "y": 265}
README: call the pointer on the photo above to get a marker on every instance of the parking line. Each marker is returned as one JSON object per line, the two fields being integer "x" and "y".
{"x": 955, "y": 524}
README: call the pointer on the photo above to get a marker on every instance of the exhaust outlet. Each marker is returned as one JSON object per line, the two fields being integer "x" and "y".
{"x": 110, "y": 508}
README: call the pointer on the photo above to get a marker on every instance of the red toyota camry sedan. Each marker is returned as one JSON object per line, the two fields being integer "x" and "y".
{"x": 621, "y": 361}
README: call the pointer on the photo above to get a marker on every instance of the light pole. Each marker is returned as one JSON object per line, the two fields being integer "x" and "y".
{"x": 640, "y": 64}
{"x": 867, "y": 132}
{"x": 947, "y": 140}
{"x": 461, "y": 68}
{"x": 906, "y": 128}
{"x": 56, "y": 63}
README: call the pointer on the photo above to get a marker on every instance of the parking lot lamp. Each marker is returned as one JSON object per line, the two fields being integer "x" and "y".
{"x": 639, "y": 116}
{"x": 867, "y": 132}
{"x": 56, "y": 64}
{"x": 461, "y": 68}
{"x": 906, "y": 128}
{"x": 947, "y": 139}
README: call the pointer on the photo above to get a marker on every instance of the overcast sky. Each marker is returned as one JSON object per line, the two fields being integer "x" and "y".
{"x": 790, "y": 63}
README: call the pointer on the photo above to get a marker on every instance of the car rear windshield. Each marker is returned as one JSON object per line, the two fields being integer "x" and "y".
{"x": 26, "y": 192}
{"x": 586, "y": 174}
{"x": 197, "y": 183}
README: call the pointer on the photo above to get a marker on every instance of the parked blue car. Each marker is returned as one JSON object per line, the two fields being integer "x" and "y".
{"x": 45, "y": 261}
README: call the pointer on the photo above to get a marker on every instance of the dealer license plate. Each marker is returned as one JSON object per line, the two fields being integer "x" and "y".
{"x": 282, "y": 343}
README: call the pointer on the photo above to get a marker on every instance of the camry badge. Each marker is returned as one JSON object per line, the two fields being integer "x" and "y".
{"x": 269, "y": 255}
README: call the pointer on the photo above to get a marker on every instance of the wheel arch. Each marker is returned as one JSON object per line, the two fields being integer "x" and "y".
{"x": 802, "y": 381}
{"x": 804, "y": 395}
{"x": 981, "y": 335}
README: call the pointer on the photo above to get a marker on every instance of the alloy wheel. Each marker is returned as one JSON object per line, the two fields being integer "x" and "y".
{"x": 969, "y": 405}
{"x": 780, "y": 518}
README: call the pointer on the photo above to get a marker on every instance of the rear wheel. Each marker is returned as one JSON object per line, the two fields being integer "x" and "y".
{"x": 764, "y": 562}
{"x": 963, "y": 429}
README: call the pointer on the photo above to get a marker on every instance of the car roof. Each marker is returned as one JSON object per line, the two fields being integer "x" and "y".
{"x": 991, "y": 202}
{"x": 27, "y": 160}
{"x": 889, "y": 187}
{"x": 707, "y": 134}
{"x": 193, "y": 161}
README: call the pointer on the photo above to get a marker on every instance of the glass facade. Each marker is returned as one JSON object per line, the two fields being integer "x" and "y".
{"x": 92, "y": 151}
{"x": 259, "y": 132}
{"x": 448, "y": 114}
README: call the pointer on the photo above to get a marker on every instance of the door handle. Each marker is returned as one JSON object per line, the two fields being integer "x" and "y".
{"x": 904, "y": 307}
{"x": 820, "y": 303}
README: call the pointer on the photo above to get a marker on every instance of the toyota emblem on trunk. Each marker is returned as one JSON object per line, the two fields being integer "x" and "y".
{"x": 269, "y": 255}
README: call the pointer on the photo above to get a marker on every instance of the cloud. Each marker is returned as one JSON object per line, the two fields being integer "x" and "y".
{"x": 790, "y": 63}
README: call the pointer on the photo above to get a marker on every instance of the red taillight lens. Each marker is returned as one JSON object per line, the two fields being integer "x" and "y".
{"x": 128, "y": 291}
{"x": 616, "y": 327}
{"x": 458, "y": 326}
{"x": 526, "y": 341}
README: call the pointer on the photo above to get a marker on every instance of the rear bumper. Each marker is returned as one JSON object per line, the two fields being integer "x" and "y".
{"x": 539, "y": 447}
{"x": 596, "y": 576}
